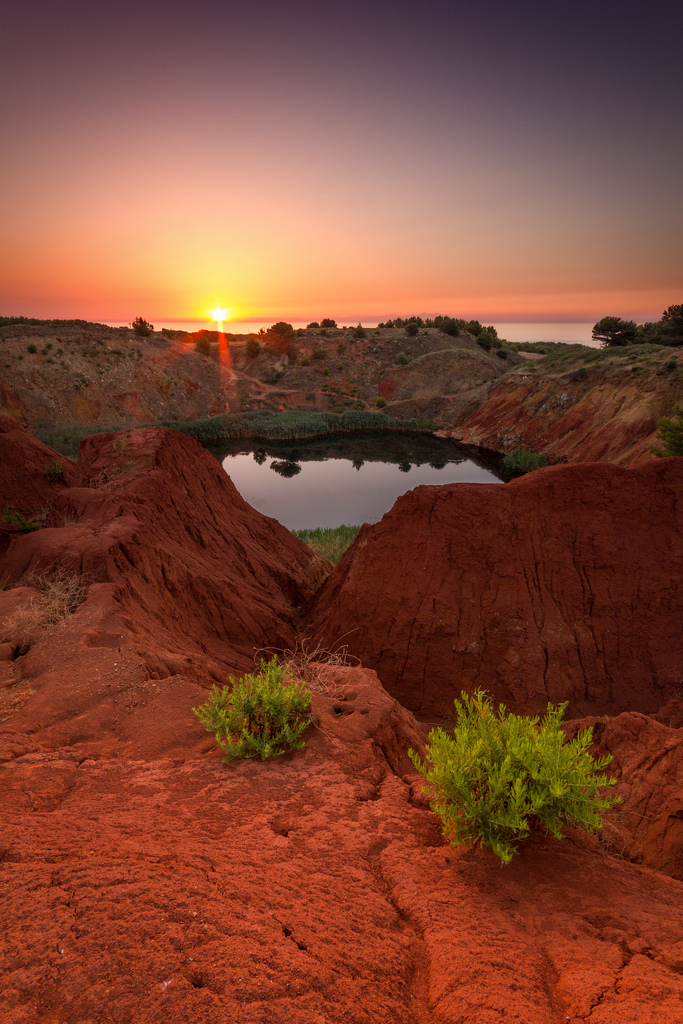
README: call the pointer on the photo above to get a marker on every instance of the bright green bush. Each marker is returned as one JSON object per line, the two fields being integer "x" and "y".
{"x": 500, "y": 774}
{"x": 262, "y": 715}
{"x": 522, "y": 460}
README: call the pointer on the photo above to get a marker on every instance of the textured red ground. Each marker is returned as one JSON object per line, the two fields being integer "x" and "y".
{"x": 560, "y": 586}
{"x": 143, "y": 881}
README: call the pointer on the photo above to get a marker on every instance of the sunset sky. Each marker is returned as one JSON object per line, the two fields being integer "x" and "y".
{"x": 505, "y": 160}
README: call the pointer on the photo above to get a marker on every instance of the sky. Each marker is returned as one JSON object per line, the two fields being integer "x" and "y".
{"x": 511, "y": 160}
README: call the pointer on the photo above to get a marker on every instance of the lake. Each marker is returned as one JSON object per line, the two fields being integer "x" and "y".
{"x": 350, "y": 480}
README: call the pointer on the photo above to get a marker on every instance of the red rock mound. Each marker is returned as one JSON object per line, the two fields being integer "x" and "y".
{"x": 180, "y": 582}
{"x": 562, "y": 585}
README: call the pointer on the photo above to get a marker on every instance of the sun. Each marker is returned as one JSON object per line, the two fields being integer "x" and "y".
{"x": 219, "y": 314}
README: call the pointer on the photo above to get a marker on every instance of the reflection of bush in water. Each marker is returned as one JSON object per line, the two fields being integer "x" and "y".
{"x": 260, "y": 456}
{"x": 404, "y": 467}
{"x": 286, "y": 468}
{"x": 360, "y": 449}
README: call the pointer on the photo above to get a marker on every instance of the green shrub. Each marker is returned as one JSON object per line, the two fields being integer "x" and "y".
{"x": 521, "y": 461}
{"x": 380, "y": 403}
{"x": 670, "y": 433}
{"x": 54, "y": 472}
{"x": 499, "y": 775}
{"x": 411, "y": 330}
{"x": 203, "y": 346}
{"x": 305, "y": 361}
{"x": 328, "y": 322}
{"x": 262, "y": 715}
{"x": 402, "y": 359}
{"x": 143, "y": 328}
{"x": 252, "y": 348}
{"x": 500, "y": 352}
{"x": 359, "y": 332}
{"x": 32, "y": 349}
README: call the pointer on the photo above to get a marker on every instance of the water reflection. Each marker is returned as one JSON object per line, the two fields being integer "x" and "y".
{"x": 349, "y": 479}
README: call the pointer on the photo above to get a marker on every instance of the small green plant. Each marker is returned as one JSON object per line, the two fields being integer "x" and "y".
{"x": 670, "y": 433}
{"x": 499, "y": 775}
{"x": 14, "y": 518}
{"x": 32, "y": 349}
{"x": 262, "y": 715}
{"x": 522, "y": 460}
{"x": 305, "y": 361}
{"x": 402, "y": 359}
{"x": 380, "y": 403}
{"x": 252, "y": 348}
{"x": 54, "y": 472}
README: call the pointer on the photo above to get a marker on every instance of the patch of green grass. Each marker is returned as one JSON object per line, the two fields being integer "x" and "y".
{"x": 522, "y": 460}
{"x": 330, "y": 542}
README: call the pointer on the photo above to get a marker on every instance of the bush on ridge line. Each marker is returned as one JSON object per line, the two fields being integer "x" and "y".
{"x": 499, "y": 774}
{"x": 261, "y": 715}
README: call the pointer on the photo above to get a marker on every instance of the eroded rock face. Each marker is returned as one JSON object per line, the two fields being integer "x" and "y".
{"x": 560, "y": 586}
{"x": 184, "y": 582}
{"x": 24, "y": 462}
{"x": 576, "y": 417}
{"x": 647, "y": 826}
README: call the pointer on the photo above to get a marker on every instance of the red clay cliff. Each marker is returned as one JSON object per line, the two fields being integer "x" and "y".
{"x": 559, "y": 586}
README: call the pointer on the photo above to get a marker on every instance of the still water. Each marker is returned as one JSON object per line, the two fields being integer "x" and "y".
{"x": 347, "y": 480}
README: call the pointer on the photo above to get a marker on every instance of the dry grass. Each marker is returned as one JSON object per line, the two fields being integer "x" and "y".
{"x": 311, "y": 661}
{"x": 60, "y": 592}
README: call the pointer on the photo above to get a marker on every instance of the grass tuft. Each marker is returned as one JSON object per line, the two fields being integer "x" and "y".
{"x": 330, "y": 542}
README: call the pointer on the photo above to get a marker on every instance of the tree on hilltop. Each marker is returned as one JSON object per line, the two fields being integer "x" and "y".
{"x": 143, "y": 328}
{"x": 612, "y": 332}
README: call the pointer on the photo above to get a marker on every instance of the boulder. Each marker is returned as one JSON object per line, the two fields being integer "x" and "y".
{"x": 559, "y": 586}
